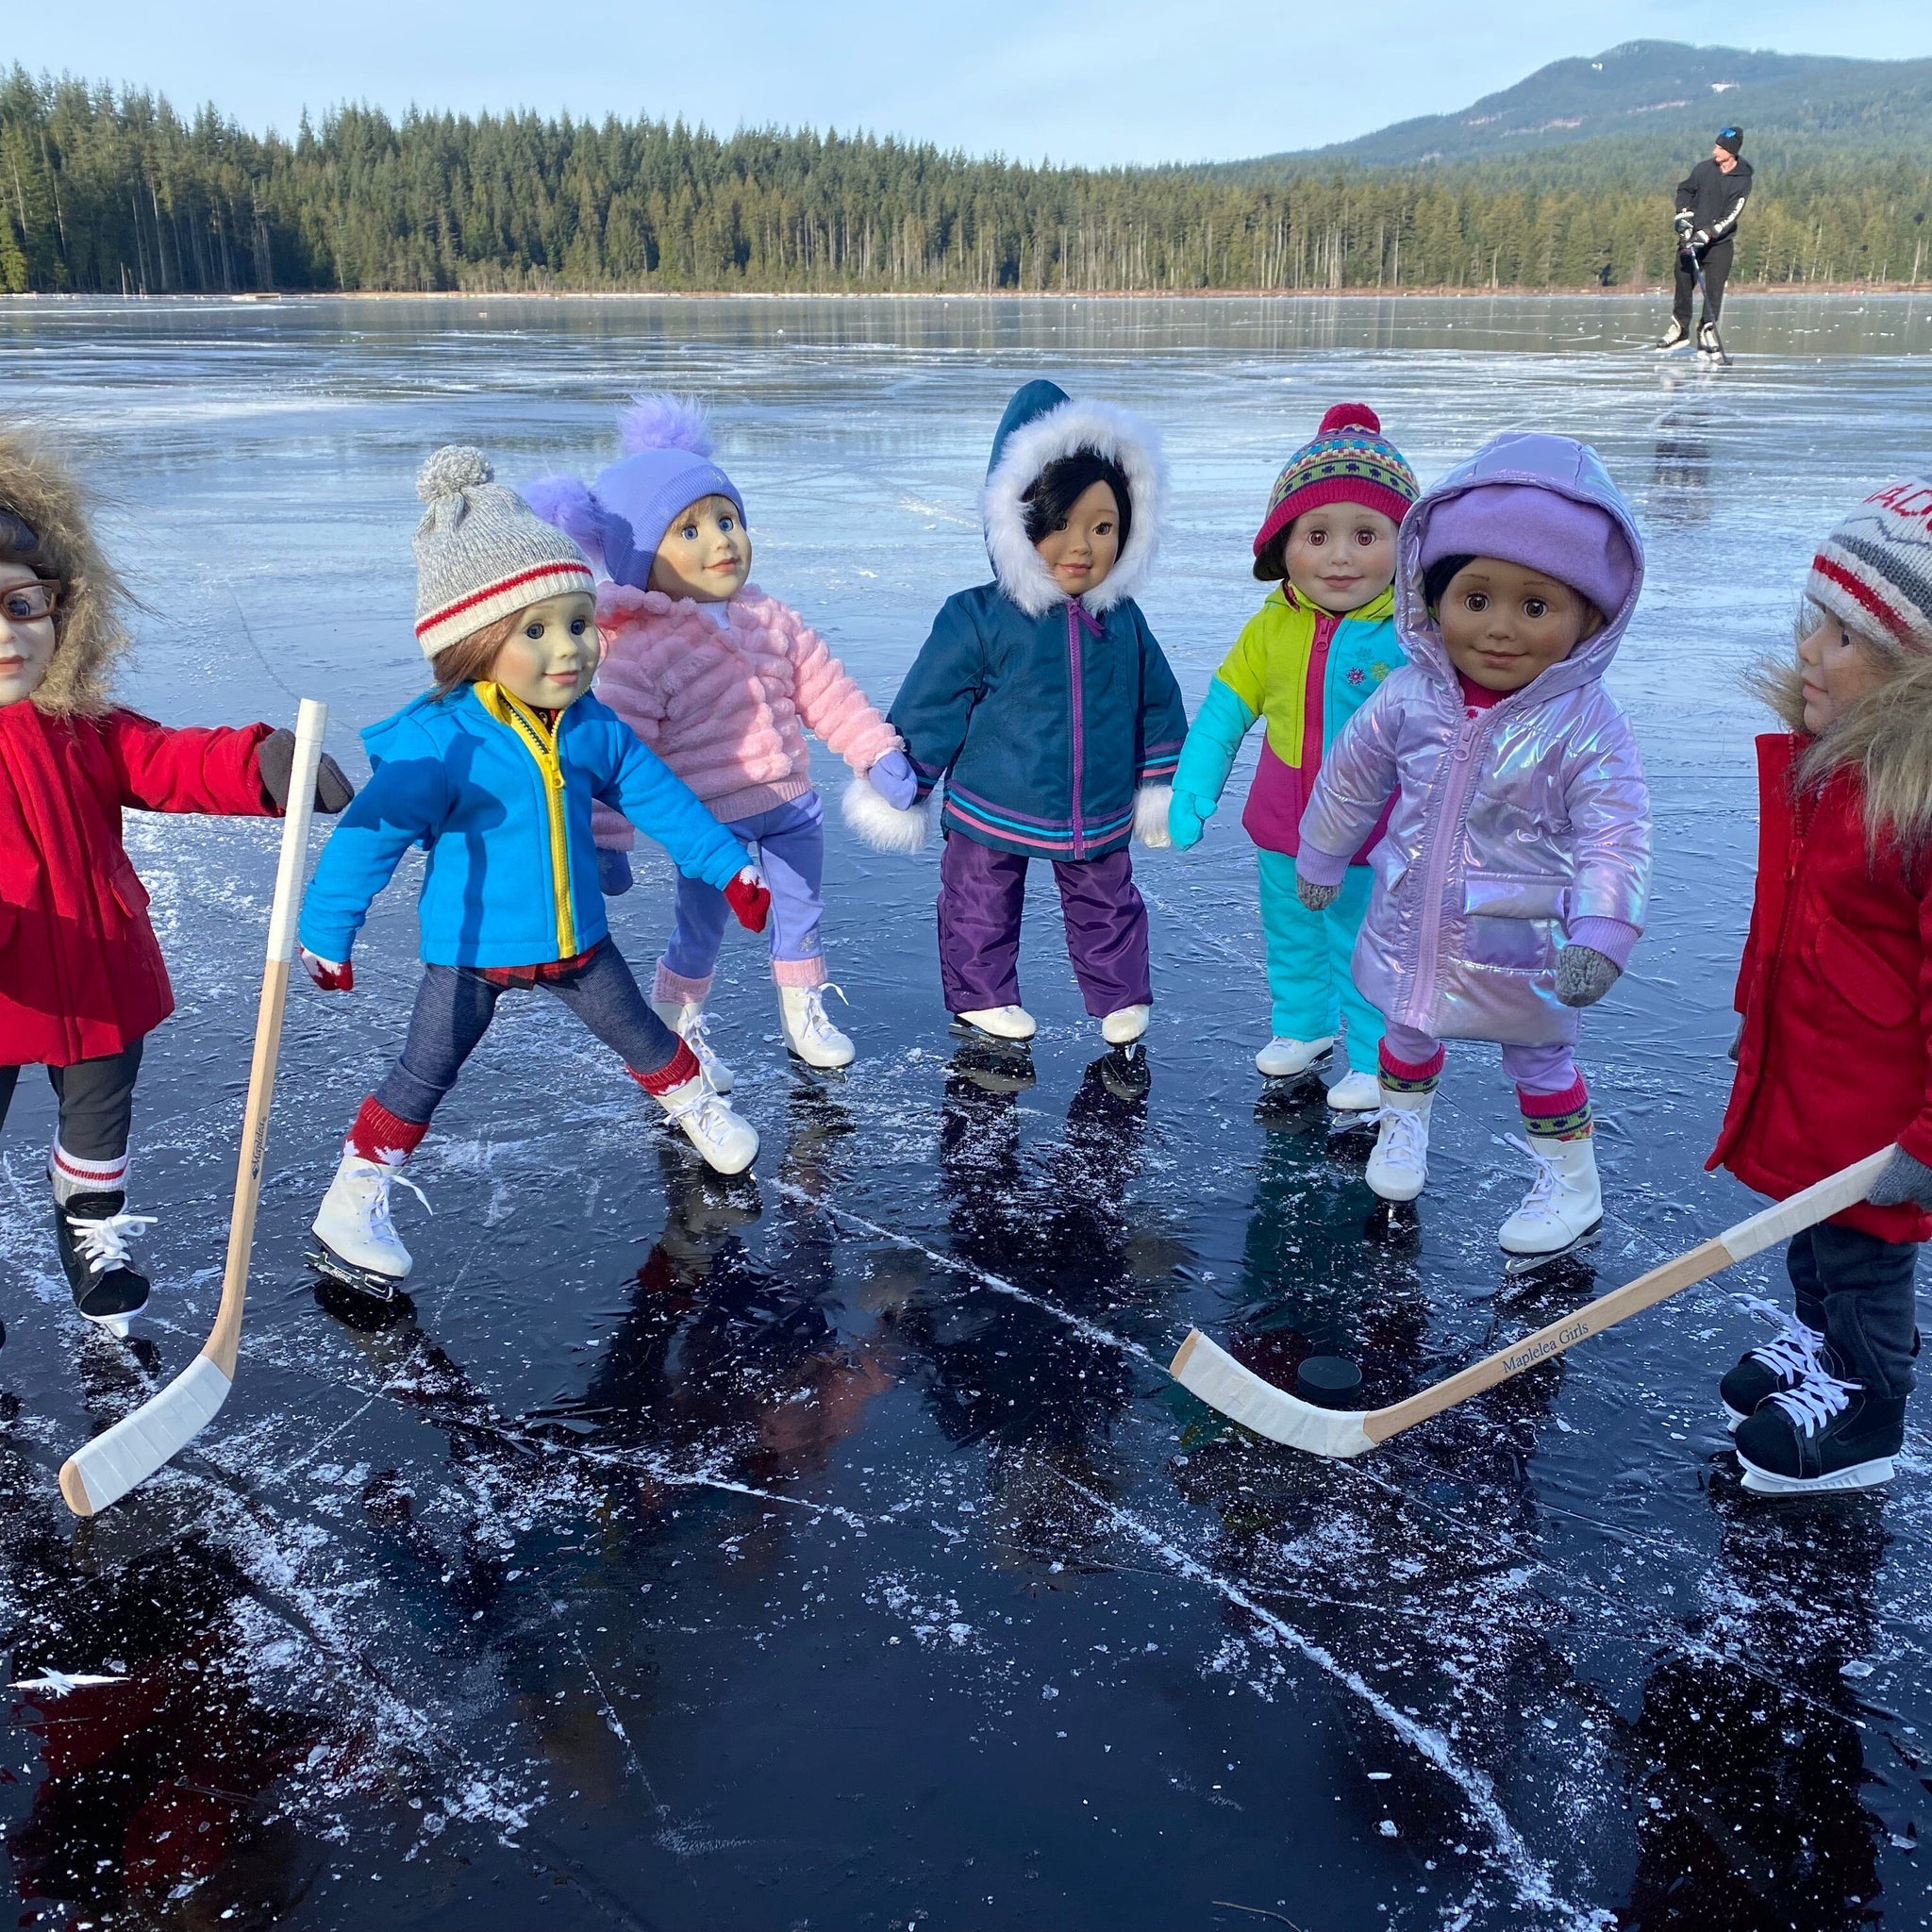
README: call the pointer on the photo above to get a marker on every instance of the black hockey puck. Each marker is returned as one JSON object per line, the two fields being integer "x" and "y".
{"x": 1328, "y": 1381}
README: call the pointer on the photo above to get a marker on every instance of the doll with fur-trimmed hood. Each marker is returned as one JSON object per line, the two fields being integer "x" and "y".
{"x": 81, "y": 979}
{"x": 1044, "y": 703}
{"x": 723, "y": 682}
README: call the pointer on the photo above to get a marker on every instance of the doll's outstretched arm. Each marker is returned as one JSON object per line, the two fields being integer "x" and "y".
{"x": 403, "y": 803}
{"x": 195, "y": 768}
{"x": 1207, "y": 758}
{"x": 830, "y": 702}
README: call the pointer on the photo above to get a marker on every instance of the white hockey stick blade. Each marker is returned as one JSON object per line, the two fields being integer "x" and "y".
{"x": 1213, "y": 1375}
{"x": 103, "y": 1471}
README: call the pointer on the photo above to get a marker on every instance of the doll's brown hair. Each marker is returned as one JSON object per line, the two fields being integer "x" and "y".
{"x": 469, "y": 659}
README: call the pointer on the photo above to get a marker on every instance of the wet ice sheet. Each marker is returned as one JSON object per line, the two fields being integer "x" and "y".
{"x": 833, "y": 1550}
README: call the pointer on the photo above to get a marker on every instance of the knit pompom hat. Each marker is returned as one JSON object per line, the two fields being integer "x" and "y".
{"x": 1873, "y": 573}
{"x": 481, "y": 552}
{"x": 1349, "y": 460}
{"x": 620, "y": 519}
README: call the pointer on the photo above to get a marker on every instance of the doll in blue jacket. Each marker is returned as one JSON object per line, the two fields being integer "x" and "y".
{"x": 1044, "y": 703}
{"x": 494, "y": 773}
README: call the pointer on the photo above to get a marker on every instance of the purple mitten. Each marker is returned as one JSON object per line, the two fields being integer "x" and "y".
{"x": 894, "y": 780}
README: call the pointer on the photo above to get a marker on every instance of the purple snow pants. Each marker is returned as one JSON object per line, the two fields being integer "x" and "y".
{"x": 981, "y": 895}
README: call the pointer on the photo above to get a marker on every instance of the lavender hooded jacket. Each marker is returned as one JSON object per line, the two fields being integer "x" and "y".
{"x": 1509, "y": 825}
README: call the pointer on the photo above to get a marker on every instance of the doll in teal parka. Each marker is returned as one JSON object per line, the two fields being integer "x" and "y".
{"x": 1306, "y": 662}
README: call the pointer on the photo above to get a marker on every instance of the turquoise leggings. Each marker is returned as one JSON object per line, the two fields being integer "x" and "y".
{"x": 1308, "y": 953}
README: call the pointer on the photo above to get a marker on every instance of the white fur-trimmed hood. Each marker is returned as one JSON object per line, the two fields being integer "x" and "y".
{"x": 1076, "y": 425}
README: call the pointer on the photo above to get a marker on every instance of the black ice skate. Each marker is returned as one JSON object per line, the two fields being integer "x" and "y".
{"x": 1823, "y": 1435}
{"x": 1773, "y": 1368}
{"x": 91, "y": 1233}
{"x": 1673, "y": 338}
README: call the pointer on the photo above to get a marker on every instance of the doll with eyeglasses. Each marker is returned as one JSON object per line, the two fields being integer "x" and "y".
{"x": 82, "y": 984}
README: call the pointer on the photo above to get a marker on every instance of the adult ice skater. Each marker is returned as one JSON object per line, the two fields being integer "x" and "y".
{"x": 1709, "y": 200}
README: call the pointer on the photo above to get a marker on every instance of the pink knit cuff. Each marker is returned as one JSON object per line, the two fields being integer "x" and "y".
{"x": 800, "y": 971}
{"x": 1613, "y": 938}
{"x": 673, "y": 989}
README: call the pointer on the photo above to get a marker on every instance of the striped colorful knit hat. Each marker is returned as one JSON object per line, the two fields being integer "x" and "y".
{"x": 1350, "y": 461}
{"x": 1873, "y": 573}
{"x": 481, "y": 552}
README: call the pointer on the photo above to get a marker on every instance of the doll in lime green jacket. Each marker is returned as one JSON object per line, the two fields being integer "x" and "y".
{"x": 1306, "y": 662}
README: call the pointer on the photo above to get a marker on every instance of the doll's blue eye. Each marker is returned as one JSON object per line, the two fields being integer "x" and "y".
{"x": 533, "y": 630}
{"x": 726, "y": 523}
{"x": 578, "y": 625}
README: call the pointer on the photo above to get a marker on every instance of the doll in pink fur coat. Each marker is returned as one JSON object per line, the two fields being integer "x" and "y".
{"x": 723, "y": 683}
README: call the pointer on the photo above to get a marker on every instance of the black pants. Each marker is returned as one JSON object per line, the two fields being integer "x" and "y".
{"x": 454, "y": 1007}
{"x": 1861, "y": 1292}
{"x": 96, "y": 1102}
{"x": 1717, "y": 265}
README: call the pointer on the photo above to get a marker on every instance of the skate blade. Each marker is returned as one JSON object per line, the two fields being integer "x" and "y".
{"x": 327, "y": 1263}
{"x": 1515, "y": 1266}
{"x": 1860, "y": 1476}
{"x": 116, "y": 1325}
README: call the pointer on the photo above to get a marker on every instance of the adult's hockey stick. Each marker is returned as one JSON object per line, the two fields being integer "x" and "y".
{"x": 1707, "y": 318}
{"x": 1219, "y": 1380}
{"x": 106, "y": 1469}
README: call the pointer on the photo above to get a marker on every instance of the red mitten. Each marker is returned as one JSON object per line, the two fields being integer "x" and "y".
{"x": 332, "y": 976}
{"x": 750, "y": 898}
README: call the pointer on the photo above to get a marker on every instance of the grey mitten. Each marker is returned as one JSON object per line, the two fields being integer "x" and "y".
{"x": 1584, "y": 975}
{"x": 1904, "y": 1180}
{"x": 275, "y": 761}
{"x": 1316, "y": 898}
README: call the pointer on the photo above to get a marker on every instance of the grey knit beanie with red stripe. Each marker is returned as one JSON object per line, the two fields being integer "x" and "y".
{"x": 1873, "y": 573}
{"x": 482, "y": 553}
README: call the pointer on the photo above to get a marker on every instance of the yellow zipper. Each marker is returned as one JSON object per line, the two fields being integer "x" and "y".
{"x": 541, "y": 742}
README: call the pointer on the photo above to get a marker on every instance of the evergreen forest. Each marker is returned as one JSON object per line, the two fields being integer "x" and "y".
{"x": 108, "y": 191}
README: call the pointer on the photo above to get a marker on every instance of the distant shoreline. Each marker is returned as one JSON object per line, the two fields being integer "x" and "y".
{"x": 271, "y": 298}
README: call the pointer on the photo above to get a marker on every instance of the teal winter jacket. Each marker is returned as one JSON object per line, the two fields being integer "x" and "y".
{"x": 1047, "y": 717}
{"x": 501, "y": 803}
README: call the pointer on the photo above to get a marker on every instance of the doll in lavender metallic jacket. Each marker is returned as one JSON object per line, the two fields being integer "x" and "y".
{"x": 1511, "y": 885}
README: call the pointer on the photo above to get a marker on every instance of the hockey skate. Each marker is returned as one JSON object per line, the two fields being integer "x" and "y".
{"x": 1563, "y": 1211}
{"x": 359, "y": 1246}
{"x": 1708, "y": 344}
{"x": 1823, "y": 1435}
{"x": 686, "y": 1018}
{"x": 1283, "y": 1058}
{"x": 1399, "y": 1165}
{"x": 1673, "y": 338}
{"x": 1773, "y": 1368}
{"x": 1126, "y": 1024}
{"x": 728, "y": 1144}
{"x": 810, "y": 1035}
{"x": 91, "y": 1232}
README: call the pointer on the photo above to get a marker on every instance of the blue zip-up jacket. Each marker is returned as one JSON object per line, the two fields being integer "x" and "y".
{"x": 1045, "y": 717}
{"x": 502, "y": 804}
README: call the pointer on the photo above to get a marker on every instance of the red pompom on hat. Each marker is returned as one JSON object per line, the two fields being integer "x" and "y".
{"x": 1349, "y": 460}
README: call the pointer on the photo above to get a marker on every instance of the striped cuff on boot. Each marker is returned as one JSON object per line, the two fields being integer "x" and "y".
{"x": 1409, "y": 1076}
{"x": 681, "y": 1067}
{"x": 1563, "y": 1116}
{"x": 380, "y": 1135}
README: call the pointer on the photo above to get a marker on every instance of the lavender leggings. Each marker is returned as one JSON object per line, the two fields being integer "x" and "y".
{"x": 1534, "y": 1069}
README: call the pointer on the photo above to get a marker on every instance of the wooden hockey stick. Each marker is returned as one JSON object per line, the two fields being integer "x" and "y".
{"x": 1219, "y": 1380}
{"x": 106, "y": 1469}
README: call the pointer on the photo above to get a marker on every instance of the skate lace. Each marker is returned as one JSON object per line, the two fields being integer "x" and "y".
{"x": 706, "y": 1108}
{"x": 1408, "y": 1144}
{"x": 388, "y": 1175}
{"x": 818, "y": 1023}
{"x": 694, "y": 1038}
{"x": 1819, "y": 1398}
{"x": 103, "y": 1244}
{"x": 1791, "y": 1352}
{"x": 1539, "y": 1202}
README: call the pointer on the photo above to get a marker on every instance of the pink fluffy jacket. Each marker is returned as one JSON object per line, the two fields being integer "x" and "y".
{"x": 727, "y": 707}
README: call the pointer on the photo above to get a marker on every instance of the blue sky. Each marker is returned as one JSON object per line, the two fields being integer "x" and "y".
{"x": 1097, "y": 81}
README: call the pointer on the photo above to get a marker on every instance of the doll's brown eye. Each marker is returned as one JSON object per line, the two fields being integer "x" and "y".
{"x": 1534, "y": 608}
{"x": 1475, "y": 600}
{"x": 1364, "y": 540}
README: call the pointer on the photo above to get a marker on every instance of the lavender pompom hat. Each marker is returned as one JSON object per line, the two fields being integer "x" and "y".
{"x": 666, "y": 465}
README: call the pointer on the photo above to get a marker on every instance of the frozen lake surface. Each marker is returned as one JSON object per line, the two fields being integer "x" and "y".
{"x": 833, "y": 1550}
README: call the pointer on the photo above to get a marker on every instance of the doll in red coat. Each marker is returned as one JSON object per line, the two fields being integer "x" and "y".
{"x": 1835, "y": 1048}
{"x": 81, "y": 979}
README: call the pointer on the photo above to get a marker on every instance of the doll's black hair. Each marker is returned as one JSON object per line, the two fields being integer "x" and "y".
{"x": 20, "y": 542}
{"x": 1436, "y": 580}
{"x": 1271, "y": 565}
{"x": 1053, "y": 493}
